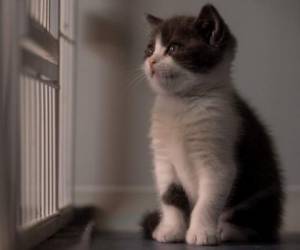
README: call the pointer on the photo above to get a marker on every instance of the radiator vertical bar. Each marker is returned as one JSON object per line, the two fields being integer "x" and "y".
{"x": 43, "y": 149}
{"x": 30, "y": 184}
{"x": 61, "y": 132}
{"x": 34, "y": 150}
{"x": 54, "y": 148}
{"x": 45, "y": 12}
{"x": 38, "y": 148}
{"x": 27, "y": 150}
{"x": 38, "y": 5}
{"x": 49, "y": 14}
{"x": 50, "y": 150}
{"x": 42, "y": 9}
{"x": 68, "y": 120}
{"x": 57, "y": 146}
{"x": 46, "y": 152}
{"x": 23, "y": 147}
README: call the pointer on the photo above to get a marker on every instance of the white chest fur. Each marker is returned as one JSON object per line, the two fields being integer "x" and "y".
{"x": 183, "y": 131}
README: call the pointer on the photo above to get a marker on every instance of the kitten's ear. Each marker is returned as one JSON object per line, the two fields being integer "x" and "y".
{"x": 211, "y": 25}
{"x": 153, "y": 20}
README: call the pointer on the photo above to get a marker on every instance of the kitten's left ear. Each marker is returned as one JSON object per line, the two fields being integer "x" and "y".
{"x": 153, "y": 20}
{"x": 211, "y": 25}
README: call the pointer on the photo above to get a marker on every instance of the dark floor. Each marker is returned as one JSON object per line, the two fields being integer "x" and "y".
{"x": 134, "y": 241}
{"x": 79, "y": 234}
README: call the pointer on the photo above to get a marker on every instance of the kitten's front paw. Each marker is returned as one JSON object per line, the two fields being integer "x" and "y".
{"x": 169, "y": 233}
{"x": 201, "y": 236}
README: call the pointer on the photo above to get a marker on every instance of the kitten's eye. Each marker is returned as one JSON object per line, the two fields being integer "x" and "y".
{"x": 149, "y": 50}
{"x": 173, "y": 48}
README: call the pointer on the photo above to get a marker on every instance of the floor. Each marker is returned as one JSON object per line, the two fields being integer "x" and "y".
{"x": 80, "y": 234}
{"x": 134, "y": 241}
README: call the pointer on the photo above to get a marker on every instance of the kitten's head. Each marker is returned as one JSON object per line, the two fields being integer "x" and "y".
{"x": 188, "y": 55}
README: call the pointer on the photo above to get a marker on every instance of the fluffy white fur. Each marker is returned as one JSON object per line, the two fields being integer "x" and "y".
{"x": 193, "y": 144}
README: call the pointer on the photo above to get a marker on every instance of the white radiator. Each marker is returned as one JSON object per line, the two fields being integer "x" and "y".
{"x": 46, "y": 114}
{"x": 36, "y": 119}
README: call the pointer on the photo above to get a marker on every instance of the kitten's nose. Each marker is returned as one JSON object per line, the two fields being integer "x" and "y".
{"x": 152, "y": 61}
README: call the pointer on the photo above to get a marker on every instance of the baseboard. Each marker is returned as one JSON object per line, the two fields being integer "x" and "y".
{"x": 121, "y": 207}
{"x": 292, "y": 208}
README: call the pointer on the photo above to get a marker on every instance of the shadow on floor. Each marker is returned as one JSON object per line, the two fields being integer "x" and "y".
{"x": 135, "y": 241}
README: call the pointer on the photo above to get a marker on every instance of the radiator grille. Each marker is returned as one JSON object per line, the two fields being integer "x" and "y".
{"x": 39, "y": 10}
{"x": 38, "y": 149}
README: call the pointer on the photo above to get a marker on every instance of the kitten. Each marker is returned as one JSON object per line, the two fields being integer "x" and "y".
{"x": 215, "y": 169}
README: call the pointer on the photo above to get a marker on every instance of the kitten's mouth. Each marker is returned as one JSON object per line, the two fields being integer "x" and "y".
{"x": 164, "y": 75}
{"x": 152, "y": 72}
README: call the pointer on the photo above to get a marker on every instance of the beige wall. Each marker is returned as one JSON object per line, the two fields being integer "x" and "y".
{"x": 112, "y": 155}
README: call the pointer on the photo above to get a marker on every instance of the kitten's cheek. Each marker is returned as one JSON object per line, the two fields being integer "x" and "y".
{"x": 147, "y": 69}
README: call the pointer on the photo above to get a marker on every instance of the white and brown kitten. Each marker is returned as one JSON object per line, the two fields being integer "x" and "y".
{"x": 214, "y": 165}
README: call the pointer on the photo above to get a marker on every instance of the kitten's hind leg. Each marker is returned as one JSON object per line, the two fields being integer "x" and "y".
{"x": 229, "y": 232}
{"x": 258, "y": 218}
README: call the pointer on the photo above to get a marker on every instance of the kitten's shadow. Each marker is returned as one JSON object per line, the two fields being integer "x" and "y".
{"x": 290, "y": 239}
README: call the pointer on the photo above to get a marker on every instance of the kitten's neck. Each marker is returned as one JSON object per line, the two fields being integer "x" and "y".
{"x": 171, "y": 104}
{"x": 223, "y": 88}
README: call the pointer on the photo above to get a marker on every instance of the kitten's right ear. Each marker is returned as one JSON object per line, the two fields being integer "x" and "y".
{"x": 153, "y": 20}
{"x": 211, "y": 25}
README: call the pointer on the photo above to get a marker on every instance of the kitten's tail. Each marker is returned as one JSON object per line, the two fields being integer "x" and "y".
{"x": 149, "y": 222}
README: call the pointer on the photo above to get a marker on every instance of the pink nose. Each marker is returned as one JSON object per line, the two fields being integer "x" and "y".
{"x": 152, "y": 61}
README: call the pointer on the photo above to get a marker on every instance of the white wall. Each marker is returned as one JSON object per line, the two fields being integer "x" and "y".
{"x": 112, "y": 155}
